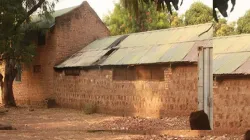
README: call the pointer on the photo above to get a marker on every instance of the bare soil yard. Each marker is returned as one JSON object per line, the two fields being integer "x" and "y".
{"x": 67, "y": 124}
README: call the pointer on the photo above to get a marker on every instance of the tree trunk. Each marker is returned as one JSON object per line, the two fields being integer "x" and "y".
{"x": 9, "y": 76}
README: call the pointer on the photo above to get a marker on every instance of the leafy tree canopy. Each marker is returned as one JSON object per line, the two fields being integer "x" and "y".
{"x": 15, "y": 23}
{"x": 198, "y": 13}
{"x": 15, "y": 45}
{"x": 134, "y": 5}
{"x": 121, "y": 21}
{"x": 222, "y": 28}
{"x": 243, "y": 24}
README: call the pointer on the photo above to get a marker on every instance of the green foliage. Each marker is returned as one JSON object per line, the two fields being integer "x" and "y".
{"x": 16, "y": 27}
{"x": 198, "y": 13}
{"x": 244, "y": 23}
{"x": 90, "y": 108}
{"x": 132, "y": 5}
{"x": 176, "y": 20}
{"x": 16, "y": 31}
{"x": 222, "y": 28}
{"x": 121, "y": 21}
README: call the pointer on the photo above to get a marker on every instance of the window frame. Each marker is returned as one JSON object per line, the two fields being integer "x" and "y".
{"x": 72, "y": 72}
{"x": 137, "y": 72}
{"x": 18, "y": 77}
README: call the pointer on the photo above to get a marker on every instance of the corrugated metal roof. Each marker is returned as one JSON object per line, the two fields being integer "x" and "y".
{"x": 231, "y": 55}
{"x": 168, "y": 45}
{"x": 91, "y": 53}
{"x": 228, "y": 63}
{"x": 102, "y": 44}
{"x": 154, "y": 54}
{"x": 127, "y": 56}
{"x": 192, "y": 55}
{"x": 177, "y": 52}
{"x": 83, "y": 59}
{"x": 167, "y": 36}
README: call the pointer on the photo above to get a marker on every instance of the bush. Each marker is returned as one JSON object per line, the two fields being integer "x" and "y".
{"x": 90, "y": 108}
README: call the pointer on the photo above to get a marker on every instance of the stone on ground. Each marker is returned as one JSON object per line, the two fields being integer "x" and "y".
{"x": 199, "y": 121}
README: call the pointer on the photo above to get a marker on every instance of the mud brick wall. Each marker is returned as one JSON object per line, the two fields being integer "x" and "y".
{"x": 77, "y": 29}
{"x": 72, "y": 31}
{"x": 232, "y": 104}
{"x": 176, "y": 95}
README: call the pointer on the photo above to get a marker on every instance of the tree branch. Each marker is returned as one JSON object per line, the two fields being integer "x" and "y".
{"x": 207, "y": 30}
{"x": 30, "y": 12}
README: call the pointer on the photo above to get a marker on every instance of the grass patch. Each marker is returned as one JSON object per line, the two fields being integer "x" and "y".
{"x": 90, "y": 108}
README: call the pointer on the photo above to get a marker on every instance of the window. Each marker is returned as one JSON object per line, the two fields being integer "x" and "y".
{"x": 41, "y": 40}
{"x": 120, "y": 74}
{"x": 19, "y": 73}
{"x": 131, "y": 74}
{"x": 157, "y": 73}
{"x": 124, "y": 74}
{"x": 139, "y": 73}
{"x": 37, "y": 68}
{"x": 143, "y": 73}
{"x": 72, "y": 72}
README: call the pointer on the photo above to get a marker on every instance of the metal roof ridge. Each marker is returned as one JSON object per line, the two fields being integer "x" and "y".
{"x": 231, "y": 36}
{"x": 191, "y": 41}
{"x": 174, "y": 28}
{"x": 209, "y": 39}
{"x": 232, "y": 52}
{"x": 171, "y": 28}
{"x": 110, "y": 37}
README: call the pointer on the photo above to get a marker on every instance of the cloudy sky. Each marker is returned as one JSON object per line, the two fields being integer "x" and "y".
{"x": 102, "y": 7}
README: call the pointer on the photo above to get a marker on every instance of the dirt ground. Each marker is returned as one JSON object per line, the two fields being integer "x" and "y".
{"x": 68, "y": 124}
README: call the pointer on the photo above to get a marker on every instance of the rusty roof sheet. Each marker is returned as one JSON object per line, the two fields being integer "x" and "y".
{"x": 91, "y": 53}
{"x": 160, "y": 46}
{"x": 231, "y": 55}
{"x": 83, "y": 59}
{"x": 102, "y": 44}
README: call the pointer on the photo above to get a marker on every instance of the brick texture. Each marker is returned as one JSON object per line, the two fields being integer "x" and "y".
{"x": 232, "y": 104}
{"x": 72, "y": 32}
{"x": 176, "y": 95}
{"x": 76, "y": 30}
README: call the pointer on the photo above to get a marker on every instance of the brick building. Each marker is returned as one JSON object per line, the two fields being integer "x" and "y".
{"x": 71, "y": 29}
{"x": 232, "y": 83}
{"x": 142, "y": 74}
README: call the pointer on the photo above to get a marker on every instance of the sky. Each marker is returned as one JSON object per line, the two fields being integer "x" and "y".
{"x": 241, "y": 7}
{"x": 102, "y": 7}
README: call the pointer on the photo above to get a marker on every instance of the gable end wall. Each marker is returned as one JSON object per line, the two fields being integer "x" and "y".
{"x": 72, "y": 32}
